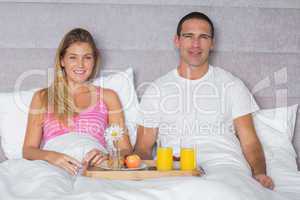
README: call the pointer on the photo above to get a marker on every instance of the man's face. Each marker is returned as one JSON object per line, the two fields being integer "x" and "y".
{"x": 194, "y": 42}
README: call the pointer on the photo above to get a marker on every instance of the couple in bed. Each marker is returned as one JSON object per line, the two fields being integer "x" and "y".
{"x": 196, "y": 100}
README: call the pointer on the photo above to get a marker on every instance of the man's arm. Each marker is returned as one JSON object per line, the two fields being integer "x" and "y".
{"x": 252, "y": 149}
{"x": 250, "y": 144}
{"x": 146, "y": 138}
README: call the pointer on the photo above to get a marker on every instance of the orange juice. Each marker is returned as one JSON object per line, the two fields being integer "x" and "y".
{"x": 187, "y": 159}
{"x": 164, "y": 158}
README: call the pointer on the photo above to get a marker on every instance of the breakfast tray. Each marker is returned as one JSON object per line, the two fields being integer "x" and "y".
{"x": 148, "y": 173}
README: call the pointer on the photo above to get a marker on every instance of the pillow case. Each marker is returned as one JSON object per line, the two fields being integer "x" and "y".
{"x": 122, "y": 82}
{"x": 275, "y": 129}
{"x": 15, "y": 105}
{"x": 13, "y": 121}
{"x": 2, "y": 155}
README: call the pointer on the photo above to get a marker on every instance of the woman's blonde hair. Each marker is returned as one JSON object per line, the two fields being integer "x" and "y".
{"x": 57, "y": 95}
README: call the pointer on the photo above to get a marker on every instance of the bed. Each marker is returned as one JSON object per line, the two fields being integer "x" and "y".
{"x": 258, "y": 42}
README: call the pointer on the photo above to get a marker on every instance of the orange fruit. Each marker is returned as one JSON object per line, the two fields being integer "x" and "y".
{"x": 133, "y": 161}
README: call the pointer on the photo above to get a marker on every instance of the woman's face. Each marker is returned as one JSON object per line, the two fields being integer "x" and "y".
{"x": 78, "y": 62}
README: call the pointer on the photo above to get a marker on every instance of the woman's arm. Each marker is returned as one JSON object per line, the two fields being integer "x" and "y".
{"x": 116, "y": 116}
{"x": 33, "y": 137}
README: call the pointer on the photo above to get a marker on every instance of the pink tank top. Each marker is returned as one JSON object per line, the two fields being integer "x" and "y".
{"x": 92, "y": 121}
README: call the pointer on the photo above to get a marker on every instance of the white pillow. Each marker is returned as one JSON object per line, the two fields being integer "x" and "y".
{"x": 15, "y": 105}
{"x": 122, "y": 82}
{"x": 275, "y": 129}
{"x": 13, "y": 121}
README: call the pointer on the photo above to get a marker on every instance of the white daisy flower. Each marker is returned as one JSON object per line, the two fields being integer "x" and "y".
{"x": 113, "y": 134}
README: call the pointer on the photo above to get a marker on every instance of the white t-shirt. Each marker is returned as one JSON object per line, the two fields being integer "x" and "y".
{"x": 202, "y": 110}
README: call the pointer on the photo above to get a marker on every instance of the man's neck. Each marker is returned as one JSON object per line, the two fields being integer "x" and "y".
{"x": 192, "y": 73}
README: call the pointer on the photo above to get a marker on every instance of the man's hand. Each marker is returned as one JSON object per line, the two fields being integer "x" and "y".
{"x": 145, "y": 140}
{"x": 252, "y": 149}
{"x": 265, "y": 180}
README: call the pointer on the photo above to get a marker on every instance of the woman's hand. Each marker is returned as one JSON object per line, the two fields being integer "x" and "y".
{"x": 94, "y": 158}
{"x": 64, "y": 161}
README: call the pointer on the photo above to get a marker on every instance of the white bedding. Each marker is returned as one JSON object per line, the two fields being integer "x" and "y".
{"x": 23, "y": 179}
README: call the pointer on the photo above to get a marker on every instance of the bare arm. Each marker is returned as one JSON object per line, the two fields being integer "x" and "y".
{"x": 33, "y": 134}
{"x": 252, "y": 149}
{"x": 250, "y": 144}
{"x": 116, "y": 116}
{"x": 33, "y": 137}
{"x": 146, "y": 138}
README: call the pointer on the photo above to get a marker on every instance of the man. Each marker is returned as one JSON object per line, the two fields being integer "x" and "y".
{"x": 202, "y": 102}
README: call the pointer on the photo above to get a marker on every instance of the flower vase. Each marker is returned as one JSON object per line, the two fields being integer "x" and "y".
{"x": 115, "y": 160}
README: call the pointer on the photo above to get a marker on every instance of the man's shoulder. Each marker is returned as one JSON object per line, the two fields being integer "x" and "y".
{"x": 228, "y": 80}
{"x": 224, "y": 76}
{"x": 169, "y": 76}
{"x": 161, "y": 84}
{"x": 166, "y": 78}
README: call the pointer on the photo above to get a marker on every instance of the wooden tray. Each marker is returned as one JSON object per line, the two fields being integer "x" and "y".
{"x": 150, "y": 172}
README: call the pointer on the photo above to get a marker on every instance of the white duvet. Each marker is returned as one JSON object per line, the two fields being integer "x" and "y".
{"x": 30, "y": 180}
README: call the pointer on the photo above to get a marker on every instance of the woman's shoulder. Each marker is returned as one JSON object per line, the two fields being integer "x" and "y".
{"x": 40, "y": 94}
{"x": 106, "y": 92}
{"x": 108, "y": 95}
{"x": 109, "y": 92}
{"x": 39, "y": 99}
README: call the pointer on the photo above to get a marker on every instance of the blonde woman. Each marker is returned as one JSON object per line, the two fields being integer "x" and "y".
{"x": 71, "y": 100}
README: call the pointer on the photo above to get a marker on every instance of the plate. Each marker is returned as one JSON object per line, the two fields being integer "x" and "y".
{"x": 104, "y": 165}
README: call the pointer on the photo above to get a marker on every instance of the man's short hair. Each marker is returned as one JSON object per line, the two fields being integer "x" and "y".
{"x": 195, "y": 15}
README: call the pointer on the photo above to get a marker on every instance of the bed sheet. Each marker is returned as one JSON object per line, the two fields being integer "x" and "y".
{"x": 23, "y": 179}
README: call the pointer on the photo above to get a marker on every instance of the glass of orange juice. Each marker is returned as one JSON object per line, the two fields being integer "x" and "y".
{"x": 164, "y": 157}
{"x": 188, "y": 155}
